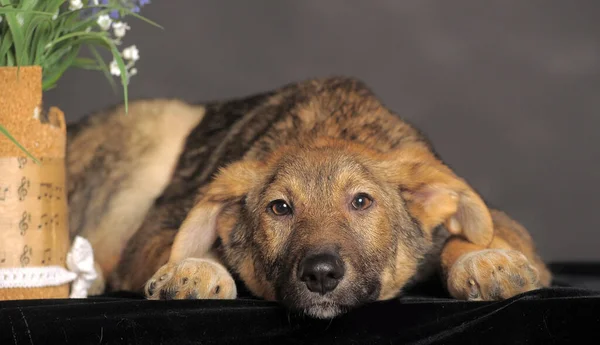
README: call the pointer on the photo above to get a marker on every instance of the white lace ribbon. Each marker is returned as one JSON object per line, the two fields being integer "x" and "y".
{"x": 80, "y": 272}
{"x": 80, "y": 260}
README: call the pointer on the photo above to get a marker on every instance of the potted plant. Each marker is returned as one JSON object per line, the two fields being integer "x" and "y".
{"x": 39, "y": 41}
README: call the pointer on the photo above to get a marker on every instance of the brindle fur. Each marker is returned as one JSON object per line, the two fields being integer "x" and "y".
{"x": 134, "y": 179}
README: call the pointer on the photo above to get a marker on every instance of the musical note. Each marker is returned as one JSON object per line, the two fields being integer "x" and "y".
{"x": 46, "y": 188}
{"x": 45, "y": 219}
{"x": 47, "y": 257}
{"x": 3, "y": 192}
{"x": 58, "y": 191}
{"x": 23, "y": 188}
{"x": 22, "y": 161}
{"x": 24, "y": 223}
{"x": 25, "y": 256}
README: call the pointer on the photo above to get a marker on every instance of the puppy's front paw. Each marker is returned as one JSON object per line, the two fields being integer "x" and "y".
{"x": 191, "y": 279}
{"x": 492, "y": 274}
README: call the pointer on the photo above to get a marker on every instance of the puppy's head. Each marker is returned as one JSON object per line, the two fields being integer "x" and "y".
{"x": 331, "y": 225}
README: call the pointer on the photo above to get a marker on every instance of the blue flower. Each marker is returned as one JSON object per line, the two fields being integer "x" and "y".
{"x": 96, "y": 3}
{"x": 133, "y": 5}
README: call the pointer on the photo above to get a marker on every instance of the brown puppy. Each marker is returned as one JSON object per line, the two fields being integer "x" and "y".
{"x": 314, "y": 195}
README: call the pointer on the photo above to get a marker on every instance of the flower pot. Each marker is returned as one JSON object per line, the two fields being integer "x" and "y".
{"x": 34, "y": 231}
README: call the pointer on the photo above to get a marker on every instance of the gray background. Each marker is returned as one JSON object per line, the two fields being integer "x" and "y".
{"x": 507, "y": 90}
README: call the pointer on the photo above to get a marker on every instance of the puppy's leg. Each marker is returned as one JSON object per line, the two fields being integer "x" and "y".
{"x": 192, "y": 278}
{"x": 507, "y": 267}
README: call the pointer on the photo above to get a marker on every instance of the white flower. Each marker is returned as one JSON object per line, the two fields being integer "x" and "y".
{"x": 120, "y": 29}
{"x": 0, "y": 19}
{"x": 95, "y": 2}
{"x": 104, "y": 21}
{"x": 131, "y": 53}
{"x": 75, "y": 5}
{"x": 114, "y": 68}
{"x": 55, "y": 16}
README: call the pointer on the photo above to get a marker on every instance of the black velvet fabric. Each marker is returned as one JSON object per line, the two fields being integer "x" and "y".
{"x": 567, "y": 313}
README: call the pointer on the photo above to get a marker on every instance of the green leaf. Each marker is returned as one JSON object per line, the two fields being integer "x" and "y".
{"x": 57, "y": 30}
{"x": 52, "y": 59}
{"x": 60, "y": 69}
{"x": 86, "y": 63}
{"x": 24, "y": 21}
{"x": 35, "y": 29}
{"x": 10, "y": 59}
{"x": 39, "y": 42}
{"x": 5, "y": 45}
{"x": 90, "y": 22}
{"x": 133, "y": 14}
{"x": 6, "y": 10}
{"x": 51, "y": 6}
{"x": 4, "y": 131}
{"x": 18, "y": 35}
{"x": 77, "y": 13}
{"x": 105, "y": 68}
{"x": 123, "y": 69}
{"x": 101, "y": 37}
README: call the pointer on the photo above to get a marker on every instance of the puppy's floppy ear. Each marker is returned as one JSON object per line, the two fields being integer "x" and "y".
{"x": 435, "y": 195}
{"x": 198, "y": 231}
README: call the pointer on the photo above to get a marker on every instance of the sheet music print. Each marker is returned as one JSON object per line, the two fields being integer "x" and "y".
{"x": 44, "y": 221}
{"x": 47, "y": 257}
{"x": 23, "y": 188}
{"x": 47, "y": 221}
{"x": 59, "y": 191}
{"x": 36, "y": 199}
{"x": 45, "y": 191}
{"x": 22, "y": 162}
{"x": 25, "y": 255}
{"x": 24, "y": 223}
{"x": 3, "y": 192}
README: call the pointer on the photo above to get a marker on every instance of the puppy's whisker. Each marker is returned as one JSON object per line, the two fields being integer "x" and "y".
{"x": 329, "y": 324}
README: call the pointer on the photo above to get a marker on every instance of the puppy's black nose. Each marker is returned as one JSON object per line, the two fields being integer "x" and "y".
{"x": 321, "y": 272}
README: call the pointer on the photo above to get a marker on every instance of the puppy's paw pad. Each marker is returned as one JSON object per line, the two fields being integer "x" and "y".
{"x": 191, "y": 279}
{"x": 492, "y": 274}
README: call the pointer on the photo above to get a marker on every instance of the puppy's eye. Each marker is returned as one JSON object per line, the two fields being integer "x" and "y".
{"x": 362, "y": 202}
{"x": 280, "y": 208}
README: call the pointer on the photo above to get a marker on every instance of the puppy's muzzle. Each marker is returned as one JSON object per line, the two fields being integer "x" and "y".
{"x": 321, "y": 272}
